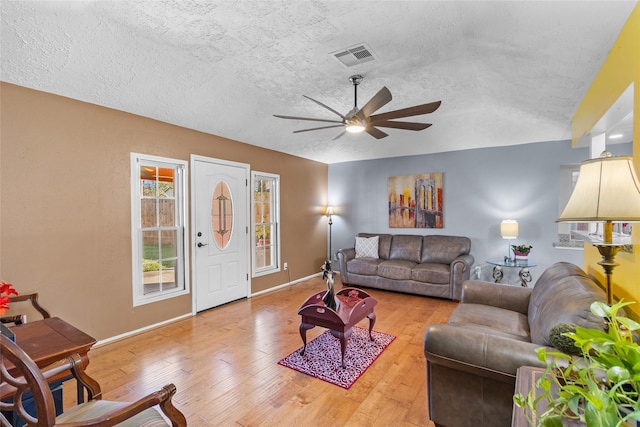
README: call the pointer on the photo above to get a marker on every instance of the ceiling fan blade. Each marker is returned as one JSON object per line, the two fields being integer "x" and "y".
{"x": 407, "y": 112}
{"x": 376, "y": 133}
{"x": 339, "y": 135}
{"x": 322, "y": 127}
{"x": 401, "y": 125}
{"x": 379, "y": 100}
{"x": 305, "y": 118}
{"x": 325, "y": 106}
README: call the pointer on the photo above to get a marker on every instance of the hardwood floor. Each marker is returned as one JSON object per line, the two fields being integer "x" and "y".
{"x": 224, "y": 365}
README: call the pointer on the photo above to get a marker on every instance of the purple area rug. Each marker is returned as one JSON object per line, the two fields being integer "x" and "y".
{"x": 322, "y": 358}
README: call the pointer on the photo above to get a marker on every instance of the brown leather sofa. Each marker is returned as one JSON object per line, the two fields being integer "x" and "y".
{"x": 472, "y": 360}
{"x": 431, "y": 265}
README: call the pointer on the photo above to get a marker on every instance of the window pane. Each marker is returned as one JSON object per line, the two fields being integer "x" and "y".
{"x": 151, "y": 278}
{"x": 263, "y": 256}
{"x": 262, "y": 235}
{"x": 167, "y": 211}
{"x": 150, "y": 249}
{"x": 148, "y": 217}
{"x": 169, "y": 275}
{"x": 148, "y": 181}
{"x": 168, "y": 243}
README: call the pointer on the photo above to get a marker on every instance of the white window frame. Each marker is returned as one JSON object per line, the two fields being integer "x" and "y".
{"x": 181, "y": 199}
{"x": 275, "y": 210}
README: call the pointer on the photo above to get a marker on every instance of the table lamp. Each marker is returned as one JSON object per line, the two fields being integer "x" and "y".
{"x": 509, "y": 230}
{"x": 607, "y": 191}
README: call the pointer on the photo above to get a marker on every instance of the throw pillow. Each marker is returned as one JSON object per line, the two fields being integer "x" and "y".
{"x": 367, "y": 247}
{"x": 563, "y": 342}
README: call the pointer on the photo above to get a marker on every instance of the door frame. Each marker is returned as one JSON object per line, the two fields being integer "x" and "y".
{"x": 192, "y": 203}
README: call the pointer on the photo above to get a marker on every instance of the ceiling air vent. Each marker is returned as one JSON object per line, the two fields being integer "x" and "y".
{"x": 354, "y": 55}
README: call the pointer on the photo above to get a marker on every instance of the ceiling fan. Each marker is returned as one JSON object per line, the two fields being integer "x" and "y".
{"x": 363, "y": 119}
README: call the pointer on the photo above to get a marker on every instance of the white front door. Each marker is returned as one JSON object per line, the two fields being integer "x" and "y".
{"x": 220, "y": 214}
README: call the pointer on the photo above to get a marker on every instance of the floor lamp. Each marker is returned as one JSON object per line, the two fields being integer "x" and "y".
{"x": 607, "y": 191}
{"x": 329, "y": 212}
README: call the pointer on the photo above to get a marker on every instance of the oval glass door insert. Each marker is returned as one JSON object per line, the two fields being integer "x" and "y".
{"x": 222, "y": 215}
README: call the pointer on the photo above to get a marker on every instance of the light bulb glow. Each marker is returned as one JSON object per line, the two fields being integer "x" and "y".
{"x": 356, "y": 128}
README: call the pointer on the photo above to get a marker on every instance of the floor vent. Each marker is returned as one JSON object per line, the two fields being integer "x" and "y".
{"x": 354, "y": 55}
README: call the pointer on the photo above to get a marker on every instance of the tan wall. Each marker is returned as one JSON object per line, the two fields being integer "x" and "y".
{"x": 65, "y": 219}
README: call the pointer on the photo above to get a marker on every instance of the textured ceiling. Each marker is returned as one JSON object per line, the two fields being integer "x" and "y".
{"x": 507, "y": 72}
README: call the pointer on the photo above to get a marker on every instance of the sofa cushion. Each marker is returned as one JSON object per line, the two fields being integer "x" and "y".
{"x": 363, "y": 266}
{"x": 396, "y": 269}
{"x": 431, "y": 273}
{"x": 444, "y": 249}
{"x": 367, "y": 247}
{"x": 384, "y": 243}
{"x": 406, "y": 247}
{"x": 493, "y": 320}
{"x": 563, "y": 294}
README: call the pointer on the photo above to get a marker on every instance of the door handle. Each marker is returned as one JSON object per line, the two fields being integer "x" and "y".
{"x": 201, "y": 245}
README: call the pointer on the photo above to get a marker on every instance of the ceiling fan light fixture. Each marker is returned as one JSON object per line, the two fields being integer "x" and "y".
{"x": 354, "y": 125}
{"x": 355, "y": 128}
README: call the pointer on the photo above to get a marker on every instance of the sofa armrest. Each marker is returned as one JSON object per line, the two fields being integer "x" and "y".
{"x": 343, "y": 256}
{"x": 460, "y": 271}
{"x": 478, "y": 352}
{"x": 514, "y": 298}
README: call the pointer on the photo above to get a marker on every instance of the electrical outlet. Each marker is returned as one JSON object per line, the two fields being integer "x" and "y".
{"x": 286, "y": 266}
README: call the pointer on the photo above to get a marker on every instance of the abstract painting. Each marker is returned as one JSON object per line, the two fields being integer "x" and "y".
{"x": 415, "y": 201}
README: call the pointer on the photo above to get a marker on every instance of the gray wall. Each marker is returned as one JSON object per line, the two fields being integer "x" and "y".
{"x": 481, "y": 187}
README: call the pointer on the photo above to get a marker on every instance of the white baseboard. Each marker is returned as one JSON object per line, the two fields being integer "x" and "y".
{"x": 284, "y": 285}
{"x": 141, "y": 330}
{"x": 184, "y": 316}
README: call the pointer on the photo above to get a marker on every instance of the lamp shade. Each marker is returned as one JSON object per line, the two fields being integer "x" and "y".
{"x": 607, "y": 190}
{"x": 330, "y": 211}
{"x": 509, "y": 229}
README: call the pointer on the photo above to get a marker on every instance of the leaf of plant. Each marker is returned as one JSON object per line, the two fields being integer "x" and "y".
{"x": 552, "y": 421}
{"x": 600, "y": 309}
{"x": 631, "y": 324}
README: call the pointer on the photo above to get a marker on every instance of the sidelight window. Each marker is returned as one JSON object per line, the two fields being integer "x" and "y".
{"x": 266, "y": 223}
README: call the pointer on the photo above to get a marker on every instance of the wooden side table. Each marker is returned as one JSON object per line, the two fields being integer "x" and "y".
{"x": 526, "y": 379}
{"x": 353, "y": 306}
{"x": 48, "y": 340}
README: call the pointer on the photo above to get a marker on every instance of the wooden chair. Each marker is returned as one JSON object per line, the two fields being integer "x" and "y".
{"x": 18, "y": 319}
{"x": 96, "y": 412}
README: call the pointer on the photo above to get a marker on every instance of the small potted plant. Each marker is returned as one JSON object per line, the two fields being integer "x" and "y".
{"x": 599, "y": 385}
{"x": 6, "y": 290}
{"x": 521, "y": 251}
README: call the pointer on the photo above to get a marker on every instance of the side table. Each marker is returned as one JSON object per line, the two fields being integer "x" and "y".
{"x": 523, "y": 265}
{"x": 353, "y": 306}
{"x": 526, "y": 379}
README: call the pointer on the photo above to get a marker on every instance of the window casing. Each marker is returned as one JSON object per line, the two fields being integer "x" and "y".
{"x": 265, "y": 239}
{"x": 158, "y": 235}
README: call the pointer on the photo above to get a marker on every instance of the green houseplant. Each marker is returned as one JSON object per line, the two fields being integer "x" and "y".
{"x": 598, "y": 386}
{"x": 522, "y": 250}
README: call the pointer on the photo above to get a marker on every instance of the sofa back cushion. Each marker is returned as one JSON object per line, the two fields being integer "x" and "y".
{"x": 563, "y": 294}
{"x": 444, "y": 249}
{"x": 406, "y": 247}
{"x": 384, "y": 243}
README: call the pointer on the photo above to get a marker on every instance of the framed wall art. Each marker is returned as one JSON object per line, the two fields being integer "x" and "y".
{"x": 415, "y": 201}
